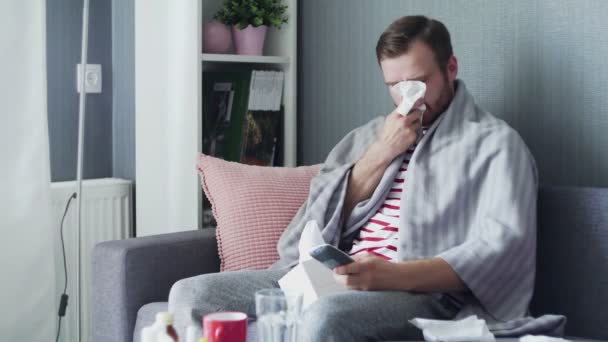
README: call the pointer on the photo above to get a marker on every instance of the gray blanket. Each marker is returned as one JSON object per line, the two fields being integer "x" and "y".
{"x": 470, "y": 199}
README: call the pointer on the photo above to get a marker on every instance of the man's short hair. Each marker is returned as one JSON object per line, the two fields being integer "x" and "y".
{"x": 399, "y": 36}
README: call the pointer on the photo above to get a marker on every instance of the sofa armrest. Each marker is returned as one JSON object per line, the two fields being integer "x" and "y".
{"x": 128, "y": 274}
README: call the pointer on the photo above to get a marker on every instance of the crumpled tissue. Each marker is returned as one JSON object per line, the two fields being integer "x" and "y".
{"x": 467, "y": 329}
{"x": 410, "y": 92}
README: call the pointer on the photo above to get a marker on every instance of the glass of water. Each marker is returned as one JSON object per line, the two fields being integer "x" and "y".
{"x": 278, "y": 314}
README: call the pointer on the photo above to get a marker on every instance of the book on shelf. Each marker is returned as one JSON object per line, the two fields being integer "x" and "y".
{"x": 261, "y": 130}
{"x": 225, "y": 96}
{"x": 220, "y": 112}
{"x": 265, "y": 90}
{"x": 228, "y": 97}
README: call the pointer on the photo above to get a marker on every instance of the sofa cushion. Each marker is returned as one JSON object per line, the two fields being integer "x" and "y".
{"x": 252, "y": 206}
{"x": 572, "y": 258}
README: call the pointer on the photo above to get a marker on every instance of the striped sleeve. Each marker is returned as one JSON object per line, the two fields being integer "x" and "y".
{"x": 497, "y": 259}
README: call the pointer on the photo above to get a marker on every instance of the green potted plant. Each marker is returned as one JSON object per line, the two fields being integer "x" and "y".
{"x": 250, "y": 20}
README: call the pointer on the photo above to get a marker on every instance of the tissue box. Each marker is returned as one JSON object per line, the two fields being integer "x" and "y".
{"x": 313, "y": 279}
{"x": 310, "y": 276}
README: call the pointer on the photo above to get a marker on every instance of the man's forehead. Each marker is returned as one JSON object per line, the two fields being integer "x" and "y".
{"x": 415, "y": 64}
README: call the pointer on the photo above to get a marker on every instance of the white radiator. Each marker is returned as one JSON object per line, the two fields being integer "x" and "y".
{"x": 106, "y": 215}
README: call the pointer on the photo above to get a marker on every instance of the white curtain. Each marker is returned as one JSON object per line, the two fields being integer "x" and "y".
{"x": 27, "y": 290}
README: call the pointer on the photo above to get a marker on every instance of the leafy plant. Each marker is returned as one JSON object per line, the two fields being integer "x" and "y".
{"x": 241, "y": 13}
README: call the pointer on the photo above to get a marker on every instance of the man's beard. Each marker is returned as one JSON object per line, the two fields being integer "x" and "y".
{"x": 445, "y": 98}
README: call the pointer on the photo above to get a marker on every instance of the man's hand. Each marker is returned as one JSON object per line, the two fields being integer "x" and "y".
{"x": 370, "y": 273}
{"x": 367, "y": 273}
{"x": 399, "y": 133}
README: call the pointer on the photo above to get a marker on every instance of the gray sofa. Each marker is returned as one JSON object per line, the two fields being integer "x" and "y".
{"x": 132, "y": 278}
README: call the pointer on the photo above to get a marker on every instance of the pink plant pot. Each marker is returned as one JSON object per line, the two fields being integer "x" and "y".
{"x": 250, "y": 40}
{"x": 216, "y": 37}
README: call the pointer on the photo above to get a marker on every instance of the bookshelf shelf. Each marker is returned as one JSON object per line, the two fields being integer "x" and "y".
{"x": 226, "y": 58}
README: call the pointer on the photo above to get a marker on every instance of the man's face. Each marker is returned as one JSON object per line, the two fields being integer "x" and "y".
{"x": 418, "y": 64}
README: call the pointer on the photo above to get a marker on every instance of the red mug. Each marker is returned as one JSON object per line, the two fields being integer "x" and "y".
{"x": 225, "y": 327}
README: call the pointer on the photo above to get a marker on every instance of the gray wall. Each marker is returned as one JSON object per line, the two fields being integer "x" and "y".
{"x": 540, "y": 65}
{"x": 64, "y": 22}
{"x": 110, "y": 123}
{"x": 123, "y": 104}
{"x": 537, "y": 64}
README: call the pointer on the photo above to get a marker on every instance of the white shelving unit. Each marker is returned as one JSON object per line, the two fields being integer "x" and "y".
{"x": 169, "y": 66}
{"x": 221, "y": 58}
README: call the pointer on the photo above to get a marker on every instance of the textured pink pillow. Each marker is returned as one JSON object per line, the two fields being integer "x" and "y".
{"x": 252, "y": 206}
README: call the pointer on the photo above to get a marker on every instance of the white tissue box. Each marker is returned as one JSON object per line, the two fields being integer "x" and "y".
{"x": 310, "y": 276}
{"x": 312, "y": 279}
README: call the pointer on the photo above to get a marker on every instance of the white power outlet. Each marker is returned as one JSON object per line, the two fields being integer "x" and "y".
{"x": 92, "y": 81}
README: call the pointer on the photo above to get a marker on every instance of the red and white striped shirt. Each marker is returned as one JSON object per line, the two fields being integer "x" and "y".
{"x": 379, "y": 234}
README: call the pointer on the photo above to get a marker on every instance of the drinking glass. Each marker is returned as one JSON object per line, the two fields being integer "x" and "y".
{"x": 278, "y": 314}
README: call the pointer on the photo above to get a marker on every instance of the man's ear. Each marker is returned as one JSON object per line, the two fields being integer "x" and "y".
{"x": 452, "y": 68}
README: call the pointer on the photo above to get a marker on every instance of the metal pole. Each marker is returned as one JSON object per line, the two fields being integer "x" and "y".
{"x": 81, "y": 126}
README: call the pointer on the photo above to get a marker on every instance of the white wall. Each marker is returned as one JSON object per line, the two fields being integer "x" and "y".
{"x": 27, "y": 292}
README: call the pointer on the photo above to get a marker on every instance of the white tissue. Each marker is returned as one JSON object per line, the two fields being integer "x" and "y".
{"x": 468, "y": 329}
{"x": 310, "y": 238}
{"x": 410, "y": 92}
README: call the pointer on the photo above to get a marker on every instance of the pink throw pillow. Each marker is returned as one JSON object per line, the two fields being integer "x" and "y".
{"x": 252, "y": 206}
